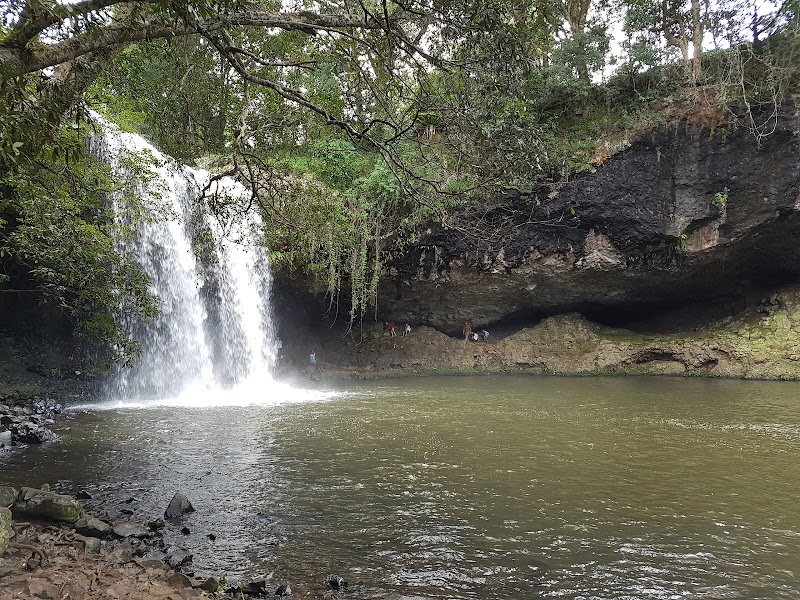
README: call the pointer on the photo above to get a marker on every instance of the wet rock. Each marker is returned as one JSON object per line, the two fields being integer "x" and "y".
{"x": 43, "y": 589}
{"x": 179, "y": 580}
{"x": 177, "y": 557}
{"x": 93, "y": 527}
{"x": 335, "y": 583}
{"x": 156, "y": 525}
{"x": 210, "y": 585}
{"x": 121, "y": 556}
{"x": 74, "y": 593}
{"x": 125, "y": 529}
{"x": 185, "y": 531}
{"x": 46, "y": 504}
{"x": 31, "y": 433}
{"x": 283, "y": 590}
{"x": 5, "y": 528}
{"x": 257, "y": 587}
{"x": 83, "y": 495}
{"x": 211, "y": 536}
{"x": 151, "y": 563}
{"x": 90, "y": 545}
{"x": 179, "y": 505}
{"x": 8, "y": 495}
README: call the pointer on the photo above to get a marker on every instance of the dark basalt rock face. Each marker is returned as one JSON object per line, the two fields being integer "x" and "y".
{"x": 641, "y": 234}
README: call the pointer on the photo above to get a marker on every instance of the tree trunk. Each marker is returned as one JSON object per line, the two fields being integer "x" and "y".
{"x": 576, "y": 13}
{"x": 697, "y": 42}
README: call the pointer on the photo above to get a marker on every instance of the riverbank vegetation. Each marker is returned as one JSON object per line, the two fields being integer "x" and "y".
{"x": 355, "y": 125}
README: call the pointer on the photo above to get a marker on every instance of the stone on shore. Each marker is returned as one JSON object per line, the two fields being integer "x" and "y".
{"x": 210, "y": 585}
{"x": 179, "y": 580}
{"x": 5, "y": 528}
{"x": 335, "y": 582}
{"x": 8, "y": 495}
{"x": 93, "y": 527}
{"x": 91, "y": 545}
{"x": 179, "y": 505}
{"x": 151, "y": 563}
{"x": 178, "y": 557}
{"x": 44, "y": 590}
{"x": 48, "y": 505}
{"x": 124, "y": 529}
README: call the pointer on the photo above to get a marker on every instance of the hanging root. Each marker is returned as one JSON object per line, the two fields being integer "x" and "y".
{"x": 37, "y": 551}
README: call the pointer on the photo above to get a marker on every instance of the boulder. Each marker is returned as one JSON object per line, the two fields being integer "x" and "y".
{"x": 179, "y": 505}
{"x": 93, "y": 527}
{"x": 178, "y": 557}
{"x": 210, "y": 585}
{"x": 31, "y": 433}
{"x": 179, "y": 580}
{"x": 90, "y": 545}
{"x": 257, "y": 587}
{"x": 8, "y": 495}
{"x": 124, "y": 529}
{"x": 335, "y": 582}
{"x": 121, "y": 556}
{"x": 5, "y": 528}
{"x": 44, "y": 590}
{"x": 48, "y": 505}
{"x": 151, "y": 563}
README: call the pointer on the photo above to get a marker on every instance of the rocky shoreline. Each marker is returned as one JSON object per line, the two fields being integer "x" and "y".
{"x": 52, "y": 549}
{"x": 760, "y": 342}
{"x": 26, "y": 421}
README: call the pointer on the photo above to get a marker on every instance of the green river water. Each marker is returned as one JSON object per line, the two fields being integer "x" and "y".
{"x": 464, "y": 487}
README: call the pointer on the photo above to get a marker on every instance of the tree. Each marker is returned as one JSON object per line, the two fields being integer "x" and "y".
{"x": 246, "y": 79}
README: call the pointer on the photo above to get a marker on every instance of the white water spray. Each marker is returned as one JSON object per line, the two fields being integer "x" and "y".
{"x": 214, "y": 342}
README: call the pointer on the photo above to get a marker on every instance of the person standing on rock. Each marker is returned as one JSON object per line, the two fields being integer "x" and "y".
{"x": 485, "y": 336}
{"x": 467, "y": 331}
{"x": 406, "y": 330}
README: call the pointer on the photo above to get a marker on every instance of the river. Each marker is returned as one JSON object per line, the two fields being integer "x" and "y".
{"x": 464, "y": 487}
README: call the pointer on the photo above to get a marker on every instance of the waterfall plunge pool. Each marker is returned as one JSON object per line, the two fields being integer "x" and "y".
{"x": 468, "y": 487}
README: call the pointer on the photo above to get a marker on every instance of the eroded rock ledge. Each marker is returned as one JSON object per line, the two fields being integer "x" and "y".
{"x": 760, "y": 343}
{"x": 683, "y": 217}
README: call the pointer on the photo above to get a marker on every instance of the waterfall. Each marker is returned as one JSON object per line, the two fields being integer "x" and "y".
{"x": 215, "y": 331}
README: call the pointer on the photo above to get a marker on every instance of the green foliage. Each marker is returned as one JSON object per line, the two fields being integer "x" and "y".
{"x": 341, "y": 214}
{"x": 177, "y": 81}
{"x": 58, "y": 235}
{"x": 682, "y": 243}
{"x": 721, "y": 198}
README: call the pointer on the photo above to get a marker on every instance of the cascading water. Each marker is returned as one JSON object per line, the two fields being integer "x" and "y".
{"x": 215, "y": 333}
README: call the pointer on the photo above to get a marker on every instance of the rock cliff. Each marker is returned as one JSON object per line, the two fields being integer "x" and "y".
{"x": 684, "y": 217}
{"x": 677, "y": 237}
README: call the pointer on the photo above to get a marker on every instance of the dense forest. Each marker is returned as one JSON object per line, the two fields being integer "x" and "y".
{"x": 354, "y": 124}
